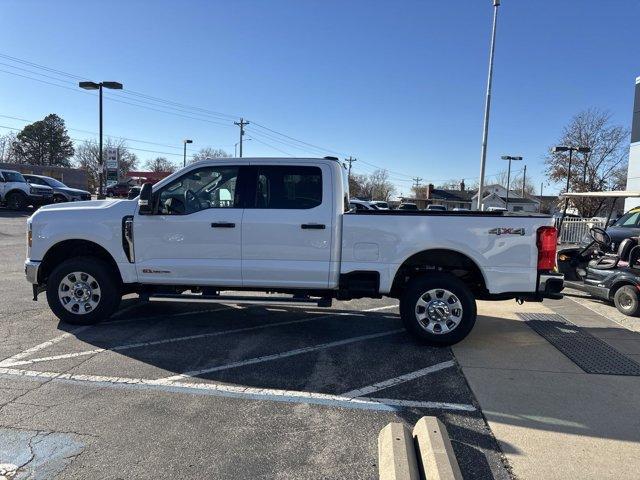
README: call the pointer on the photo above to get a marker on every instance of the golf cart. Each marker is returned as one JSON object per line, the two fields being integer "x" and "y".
{"x": 600, "y": 269}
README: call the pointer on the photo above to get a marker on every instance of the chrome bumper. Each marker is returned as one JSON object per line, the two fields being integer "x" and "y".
{"x": 31, "y": 271}
{"x": 550, "y": 285}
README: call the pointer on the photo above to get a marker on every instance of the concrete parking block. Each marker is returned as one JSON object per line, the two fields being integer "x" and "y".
{"x": 435, "y": 452}
{"x": 396, "y": 453}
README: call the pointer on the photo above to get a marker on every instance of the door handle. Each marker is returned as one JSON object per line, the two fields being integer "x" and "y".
{"x": 223, "y": 225}
{"x": 313, "y": 226}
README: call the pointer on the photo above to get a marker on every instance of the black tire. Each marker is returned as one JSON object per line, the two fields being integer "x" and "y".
{"x": 108, "y": 283}
{"x": 627, "y": 301}
{"x": 417, "y": 289}
{"x": 16, "y": 201}
{"x": 59, "y": 199}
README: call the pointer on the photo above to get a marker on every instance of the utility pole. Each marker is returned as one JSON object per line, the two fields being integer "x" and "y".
{"x": 417, "y": 185}
{"x": 350, "y": 160}
{"x": 487, "y": 105}
{"x": 524, "y": 180}
{"x": 241, "y": 124}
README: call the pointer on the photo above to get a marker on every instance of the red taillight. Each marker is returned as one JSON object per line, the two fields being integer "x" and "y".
{"x": 547, "y": 242}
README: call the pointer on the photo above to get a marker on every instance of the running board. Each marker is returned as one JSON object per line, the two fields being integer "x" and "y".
{"x": 166, "y": 297}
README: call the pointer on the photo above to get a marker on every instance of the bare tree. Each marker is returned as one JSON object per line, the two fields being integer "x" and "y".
{"x": 604, "y": 168}
{"x": 7, "y": 148}
{"x": 160, "y": 164}
{"x": 87, "y": 158}
{"x": 209, "y": 152}
{"x": 378, "y": 186}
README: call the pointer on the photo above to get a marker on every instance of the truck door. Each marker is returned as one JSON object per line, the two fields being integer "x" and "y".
{"x": 286, "y": 228}
{"x": 193, "y": 237}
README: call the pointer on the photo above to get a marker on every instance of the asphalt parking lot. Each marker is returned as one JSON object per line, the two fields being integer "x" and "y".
{"x": 217, "y": 391}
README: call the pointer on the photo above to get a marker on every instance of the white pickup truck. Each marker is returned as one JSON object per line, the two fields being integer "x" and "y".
{"x": 282, "y": 226}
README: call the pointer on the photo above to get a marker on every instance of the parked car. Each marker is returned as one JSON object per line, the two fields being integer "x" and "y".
{"x": 120, "y": 189}
{"x": 627, "y": 226}
{"x": 17, "y": 194}
{"x": 436, "y": 208}
{"x": 381, "y": 205}
{"x": 461, "y": 209}
{"x": 355, "y": 204}
{"x": 496, "y": 209}
{"x": 61, "y": 193}
{"x": 408, "y": 206}
{"x": 279, "y": 226}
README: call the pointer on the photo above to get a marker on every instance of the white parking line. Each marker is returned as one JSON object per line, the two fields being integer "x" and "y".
{"x": 16, "y": 360}
{"x": 128, "y": 346}
{"x": 233, "y": 391}
{"x": 42, "y": 345}
{"x": 278, "y": 356}
{"x": 407, "y": 377}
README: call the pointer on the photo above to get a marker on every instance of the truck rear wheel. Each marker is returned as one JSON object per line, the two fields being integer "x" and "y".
{"x": 438, "y": 308}
{"x": 82, "y": 291}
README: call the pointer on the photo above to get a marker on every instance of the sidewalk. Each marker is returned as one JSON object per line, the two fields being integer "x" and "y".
{"x": 551, "y": 419}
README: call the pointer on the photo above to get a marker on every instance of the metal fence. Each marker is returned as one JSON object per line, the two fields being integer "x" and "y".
{"x": 574, "y": 229}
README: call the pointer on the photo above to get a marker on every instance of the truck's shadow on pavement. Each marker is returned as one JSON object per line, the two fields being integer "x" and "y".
{"x": 305, "y": 350}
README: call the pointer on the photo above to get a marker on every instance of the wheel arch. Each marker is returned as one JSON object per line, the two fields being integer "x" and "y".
{"x": 440, "y": 260}
{"x": 67, "y": 249}
{"x": 621, "y": 283}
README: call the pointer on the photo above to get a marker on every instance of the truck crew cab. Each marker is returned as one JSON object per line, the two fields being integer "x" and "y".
{"x": 283, "y": 226}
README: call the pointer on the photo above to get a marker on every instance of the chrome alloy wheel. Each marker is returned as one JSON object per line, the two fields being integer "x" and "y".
{"x": 79, "y": 293}
{"x": 438, "y": 311}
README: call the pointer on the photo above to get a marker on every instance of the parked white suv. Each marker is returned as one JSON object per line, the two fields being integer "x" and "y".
{"x": 17, "y": 194}
{"x": 284, "y": 226}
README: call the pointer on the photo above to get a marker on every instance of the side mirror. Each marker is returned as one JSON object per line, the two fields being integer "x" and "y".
{"x": 145, "y": 201}
{"x": 611, "y": 222}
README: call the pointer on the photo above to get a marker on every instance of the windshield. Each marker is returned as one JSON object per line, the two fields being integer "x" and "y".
{"x": 55, "y": 183}
{"x": 629, "y": 219}
{"x": 13, "y": 177}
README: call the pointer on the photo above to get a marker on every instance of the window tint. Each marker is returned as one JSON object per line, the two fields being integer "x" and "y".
{"x": 209, "y": 187}
{"x": 284, "y": 187}
{"x": 13, "y": 177}
{"x": 35, "y": 180}
{"x": 628, "y": 220}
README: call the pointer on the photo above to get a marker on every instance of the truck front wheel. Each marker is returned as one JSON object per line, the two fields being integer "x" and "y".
{"x": 83, "y": 291}
{"x": 438, "y": 308}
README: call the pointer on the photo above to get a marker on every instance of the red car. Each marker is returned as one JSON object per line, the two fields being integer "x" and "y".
{"x": 119, "y": 189}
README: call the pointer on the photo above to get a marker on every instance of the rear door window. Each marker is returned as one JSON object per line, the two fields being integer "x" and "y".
{"x": 288, "y": 187}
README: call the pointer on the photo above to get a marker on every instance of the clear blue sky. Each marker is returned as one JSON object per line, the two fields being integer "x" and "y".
{"x": 399, "y": 84}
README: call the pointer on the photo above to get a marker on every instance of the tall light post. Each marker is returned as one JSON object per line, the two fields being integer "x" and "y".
{"x": 562, "y": 149}
{"x": 184, "y": 160}
{"x": 99, "y": 87}
{"x": 235, "y": 148}
{"x": 510, "y": 158}
{"x": 487, "y": 105}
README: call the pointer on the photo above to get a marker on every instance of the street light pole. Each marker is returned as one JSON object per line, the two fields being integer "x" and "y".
{"x": 184, "y": 160}
{"x": 508, "y": 157}
{"x": 100, "y": 162}
{"x": 487, "y": 105}
{"x": 99, "y": 87}
{"x": 570, "y": 150}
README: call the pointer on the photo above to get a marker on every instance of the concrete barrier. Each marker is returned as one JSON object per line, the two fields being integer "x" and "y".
{"x": 396, "y": 454}
{"x": 435, "y": 453}
{"x": 426, "y": 454}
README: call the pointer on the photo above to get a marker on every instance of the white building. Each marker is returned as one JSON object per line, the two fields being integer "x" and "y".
{"x": 496, "y": 196}
{"x": 633, "y": 172}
